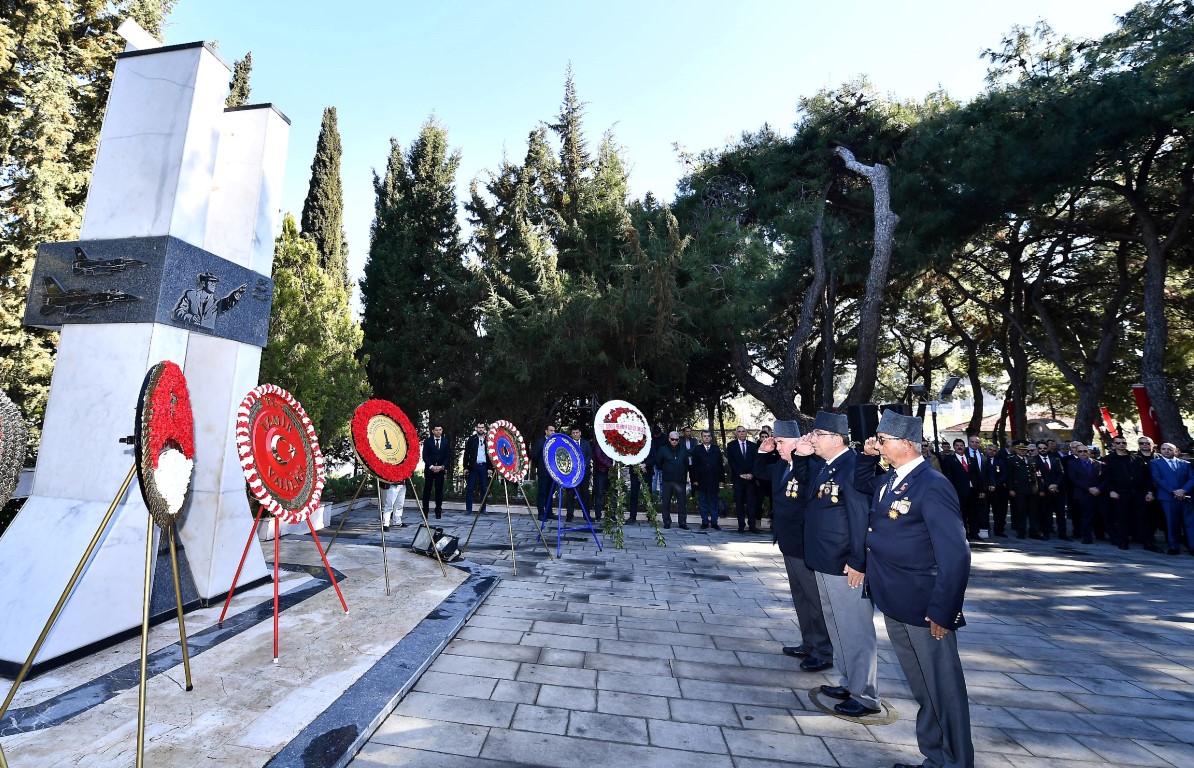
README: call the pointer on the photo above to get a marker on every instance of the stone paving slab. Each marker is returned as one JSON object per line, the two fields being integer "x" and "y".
{"x": 1075, "y": 657}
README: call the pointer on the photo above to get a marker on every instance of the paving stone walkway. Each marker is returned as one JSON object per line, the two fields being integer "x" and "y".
{"x": 1075, "y": 656}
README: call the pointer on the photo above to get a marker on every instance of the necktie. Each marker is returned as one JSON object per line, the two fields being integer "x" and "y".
{"x": 1047, "y": 463}
{"x": 437, "y": 443}
{"x": 886, "y": 489}
{"x": 742, "y": 447}
{"x": 1173, "y": 464}
{"x": 965, "y": 466}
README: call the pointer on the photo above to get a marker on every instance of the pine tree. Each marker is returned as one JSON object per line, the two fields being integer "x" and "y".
{"x": 239, "y": 87}
{"x": 313, "y": 340}
{"x": 55, "y": 72}
{"x": 418, "y": 295}
{"x": 323, "y": 210}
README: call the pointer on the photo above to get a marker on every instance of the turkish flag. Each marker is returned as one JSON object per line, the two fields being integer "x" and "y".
{"x": 1109, "y": 422}
{"x": 1148, "y": 417}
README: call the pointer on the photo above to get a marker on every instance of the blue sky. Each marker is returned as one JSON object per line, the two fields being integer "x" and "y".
{"x": 655, "y": 72}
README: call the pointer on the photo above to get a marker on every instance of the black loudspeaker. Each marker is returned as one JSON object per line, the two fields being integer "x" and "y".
{"x": 863, "y": 420}
{"x": 904, "y": 409}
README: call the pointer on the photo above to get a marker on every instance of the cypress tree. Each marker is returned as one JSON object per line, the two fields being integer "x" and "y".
{"x": 419, "y": 319}
{"x": 238, "y": 87}
{"x": 57, "y": 67}
{"x": 323, "y": 210}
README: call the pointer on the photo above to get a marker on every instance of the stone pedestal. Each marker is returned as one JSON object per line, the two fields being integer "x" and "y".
{"x": 172, "y": 162}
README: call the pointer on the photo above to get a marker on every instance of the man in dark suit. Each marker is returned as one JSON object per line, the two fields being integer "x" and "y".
{"x": 477, "y": 468}
{"x": 980, "y": 508}
{"x": 1128, "y": 484}
{"x": 918, "y": 566}
{"x": 1022, "y": 488}
{"x": 741, "y": 455}
{"x": 999, "y": 499}
{"x": 1175, "y": 486}
{"x": 437, "y": 457}
{"x": 787, "y": 526}
{"x": 961, "y": 473}
{"x": 1050, "y": 502}
{"x": 835, "y": 523}
{"x": 543, "y": 480}
{"x": 1084, "y": 475}
{"x": 581, "y": 491}
{"x": 708, "y": 477}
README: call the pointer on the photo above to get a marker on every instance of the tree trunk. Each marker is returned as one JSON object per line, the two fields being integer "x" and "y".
{"x": 828, "y": 342}
{"x": 866, "y": 362}
{"x": 1156, "y": 337}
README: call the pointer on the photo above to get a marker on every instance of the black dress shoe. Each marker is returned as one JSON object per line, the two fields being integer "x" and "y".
{"x": 684, "y": 526}
{"x": 835, "y": 692}
{"x": 741, "y": 530}
{"x": 1174, "y": 552}
{"x": 754, "y": 530}
{"x": 438, "y": 515}
{"x": 1087, "y": 540}
{"x": 1151, "y": 548}
{"x": 1063, "y": 537}
{"x": 795, "y": 652}
{"x": 813, "y": 664}
{"x": 667, "y": 524}
{"x": 855, "y": 708}
{"x": 704, "y": 526}
{"x": 715, "y": 526}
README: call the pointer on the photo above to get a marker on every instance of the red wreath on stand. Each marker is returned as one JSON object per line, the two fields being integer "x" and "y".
{"x": 165, "y": 427}
{"x": 279, "y": 453}
{"x": 391, "y": 473}
{"x": 507, "y": 451}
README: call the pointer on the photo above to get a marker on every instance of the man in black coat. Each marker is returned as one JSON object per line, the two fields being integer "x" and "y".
{"x": 787, "y": 526}
{"x": 581, "y": 491}
{"x": 965, "y": 479}
{"x": 477, "y": 467}
{"x": 1084, "y": 475}
{"x": 437, "y": 457}
{"x": 918, "y": 565}
{"x": 543, "y": 480}
{"x": 708, "y": 477}
{"x": 741, "y": 455}
{"x": 1050, "y": 497}
{"x": 672, "y": 462}
{"x": 835, "y": 523}
{"x": 1128, "y": 485}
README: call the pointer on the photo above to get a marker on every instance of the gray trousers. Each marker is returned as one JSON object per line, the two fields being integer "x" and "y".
{"x": 677, "y": 490}
{"x": 934, "y": 674}
{"x": 850, "y": 619}
{"x": 814, "y": 637}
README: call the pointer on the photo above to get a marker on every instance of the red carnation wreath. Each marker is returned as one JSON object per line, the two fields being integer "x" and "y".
{"x": 279, "y": 453}
{"x": 622, "y": 431}
{"x": 165, "y": 441}
{"x": 390, "y": 453}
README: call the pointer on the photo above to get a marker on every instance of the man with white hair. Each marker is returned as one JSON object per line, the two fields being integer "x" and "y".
{"x": 1175, "y": 487}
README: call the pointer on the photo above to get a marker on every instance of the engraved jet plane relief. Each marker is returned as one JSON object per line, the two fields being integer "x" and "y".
{"x": 84, "y": 265}
{"x": 73, "y": 304}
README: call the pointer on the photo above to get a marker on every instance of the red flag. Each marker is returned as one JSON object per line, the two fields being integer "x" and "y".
{"x": 1148, "y": 417}
{"x": 1109, "y": 422}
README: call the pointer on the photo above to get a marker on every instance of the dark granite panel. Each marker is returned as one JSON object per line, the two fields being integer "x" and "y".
{"x": 148, "y": 280}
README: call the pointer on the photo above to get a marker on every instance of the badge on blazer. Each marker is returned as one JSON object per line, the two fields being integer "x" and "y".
{"x": 898, "y": 508}
{"x": 793, "y": 488}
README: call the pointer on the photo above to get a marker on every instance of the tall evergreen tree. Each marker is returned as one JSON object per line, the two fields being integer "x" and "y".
{"x": 238, "y": 87}
{"x": 56, "y": 62}
{"x": 418, "y": 295}
{"x": 313, "y": 340}
{"x": 323, "y": 210}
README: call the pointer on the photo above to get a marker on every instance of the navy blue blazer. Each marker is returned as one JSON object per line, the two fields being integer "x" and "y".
{"x": 834, "y": 531}
{"x": 437, "y": 458}
{"x": 1169, "y": 480}
{"x": 918, "y": 560}
{"x": 739, "y": 464}
{"x": 787, "y": 514}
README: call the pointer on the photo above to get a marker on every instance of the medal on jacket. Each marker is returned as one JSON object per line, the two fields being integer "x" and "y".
{"x": 898, "y": 508}
{"x": 793, "y": 489}
{"x": 829, "y": 489}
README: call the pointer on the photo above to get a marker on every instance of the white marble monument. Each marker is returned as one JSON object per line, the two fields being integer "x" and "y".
{"x": 172, "y": 161}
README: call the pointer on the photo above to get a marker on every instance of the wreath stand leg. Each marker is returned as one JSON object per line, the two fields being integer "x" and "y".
{"x": 70, "y": 585}
{"x": 381, "y": 520}
{"x": 324, "y": 558}
{"x": 182, "y": 627}
{"x": 538, "y": 528}
{"x": 477, "y": 515}
{"x": 348, "y": 511}
{"x": 588, "y": 526}
{"x": 277, "y": 535}
{"x": 559, "y": 521}
{"x": 510, "y": 527}
{"x": 243, "y": 555}
{"x": 146, "y": 591}
{"x": 427, "y": 525}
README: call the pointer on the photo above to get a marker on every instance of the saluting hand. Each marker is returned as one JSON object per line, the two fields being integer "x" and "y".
{"x": 871, "y": 446}
{"x": 767, "y": 446}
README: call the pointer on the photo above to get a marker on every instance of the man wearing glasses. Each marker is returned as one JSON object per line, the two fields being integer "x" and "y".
{"x": 1084, "y": 475}
{"x": 918, "y": 567}
{"x": 672, "y": 460}
{"x": 835, "y": 523}
{"x": 1127, "y": 483}
{"x": 1175, "y": 486}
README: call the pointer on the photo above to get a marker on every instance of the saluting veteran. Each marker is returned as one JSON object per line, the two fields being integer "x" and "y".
{"x": 835, "y": 523}
{"x": 918, "y": 563}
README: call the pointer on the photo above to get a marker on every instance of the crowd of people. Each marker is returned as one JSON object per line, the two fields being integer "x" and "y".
{"x": 1071, "y": 491}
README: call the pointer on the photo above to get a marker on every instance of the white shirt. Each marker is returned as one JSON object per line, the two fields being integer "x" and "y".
{"x": 903, "y": 472}
{"x": 480, "y": 449}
